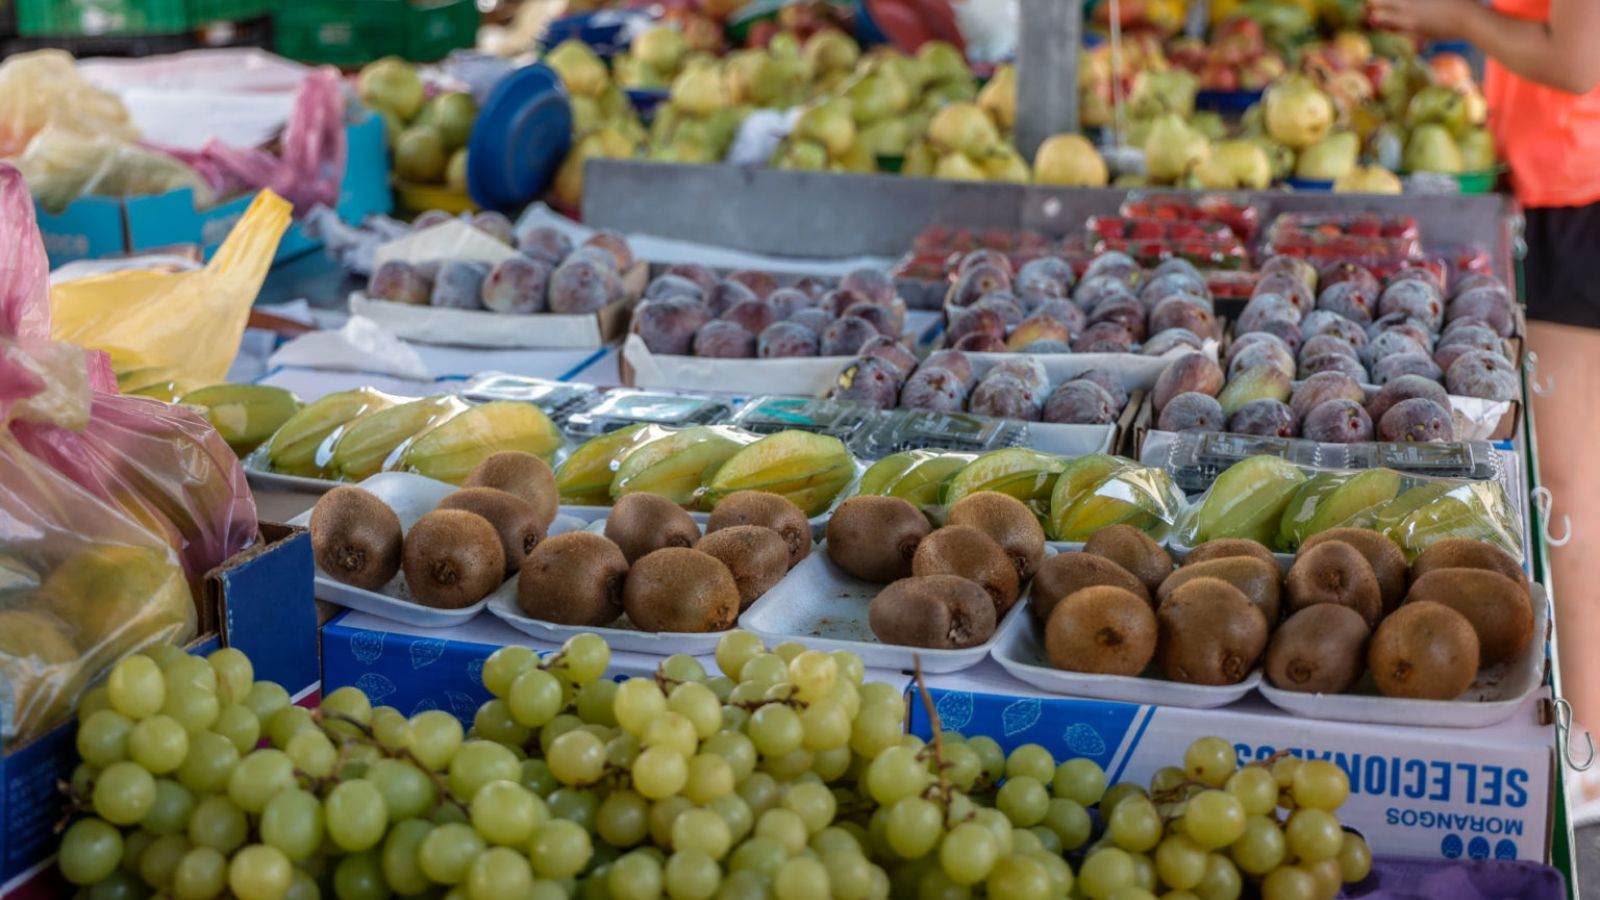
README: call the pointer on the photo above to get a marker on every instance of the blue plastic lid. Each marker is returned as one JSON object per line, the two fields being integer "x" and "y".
{"x": 521, "y": 136}
{"x": 1308, "y": 184}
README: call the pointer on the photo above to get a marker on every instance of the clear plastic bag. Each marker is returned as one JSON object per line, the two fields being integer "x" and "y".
{"x": 44, "y": 88}
{"x": 1097, "y": 491}
{"x": 62, "y": 165}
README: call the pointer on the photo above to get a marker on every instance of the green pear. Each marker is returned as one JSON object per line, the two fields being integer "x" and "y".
{"x": 1477, "y": 151}
{"x": 1329, "y": 159}
{"x": 1172, "y": 148}
{"x": 1432, "y": 149}
{"x": 1296, "y": 112}
{"x": 830, "y": 125}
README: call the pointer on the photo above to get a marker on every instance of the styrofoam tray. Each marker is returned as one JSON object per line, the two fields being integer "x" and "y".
{"x": 265, "y": 479}
{"x": 621, "y": 635}
{"x": 1019, "y": 652}
{"x": 410, "y": 496}
{"x": 482, "y": 328}
{"x": 820, "y": 605}
{"x": 1495, "y": 695}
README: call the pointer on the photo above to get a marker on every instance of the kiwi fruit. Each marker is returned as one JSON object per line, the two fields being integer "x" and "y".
{"x": 756, "y": 556}
{"x": 1465, "y": 553}
{"x": 355, "y": 538}
{"x": 1067, "y": 573}
{"x": 1209, "y": 633}
{"x": 768, "y": 510}
{"x": 520, "y": 475}
{"x": 873, "y": 538}
{"x": 642, "y": 523}
{"x": 966, "y": 551}
{"x": 1334, "y": 572}
{"x": 573, "y": 579}
{"x": 1134, "y": 551}
{"x": 452, "y": 558}
{"x": 1423, "y": 651}
{"x": 1220, "y": 547}
{"x": 1006, "y": 520}
{"x": 1321, "y": 649}
{"x": 680, "y": 589}
{"x": 1101, "y": 630}
{"x": 942, "y": 612}
{"x": 1387, "y": 560}
{"x": 1257, "y": 580}
{"x": 1498, "y": 608}
{"x": 512, "y": 517}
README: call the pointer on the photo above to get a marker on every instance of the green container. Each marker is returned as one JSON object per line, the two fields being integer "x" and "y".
{"x": 92, "y": 18}
{"x": 355, "y": 32}
{"x": 1479, "y": 182}
{"x": 202, "y": 12}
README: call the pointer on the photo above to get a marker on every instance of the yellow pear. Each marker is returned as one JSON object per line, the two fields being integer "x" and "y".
{"x": 662, "y": 48}
{"x": 999, "y": 97}
{"x": 831, "y": 51}
{"x": 1212, "y": 174}
{"x": 580, "y": 69}
{"x": 1069, "y": 160}
{"x": 957, "y": 167}
{"x": 964, "y": 128}
{"x": 1368, "y": 180}
{"x": 1246, "y": 162}
{"x": 699, "y": 91}
{"x": 802, "y": 156}
{"x": 1007, "y": 165}
{"x": 830, "y": 125}
{"x": 918, "y": 161}
{"x": 1297, "y": 114}
{"x": 1328, "y": 159}
{"x": 1172, "y": 148}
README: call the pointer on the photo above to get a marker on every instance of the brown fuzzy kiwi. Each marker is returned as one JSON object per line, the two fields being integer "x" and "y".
{"x": 641, "y": 523}
{"x": 1133, "y": 550}
{"x": 966, "y": 551}
{"x": 936, "y": 611}
{"x": 873, "y": 538}
{"x": 1498, "y": 608}
{"x": 1221, "y": 547}
{"x": 1065, "y": 574}
{"x": 1387, "y": 560}
{"x": 1210, "y": 633}
{"x": 1101, "y": 630}
{"x": 512, "y": 517}
{"x": 768, "y": 510}
{"x": 573, "y": 579}
{"x": 452, "y": 558}
{"x": 1321, "y": 649}
{"x": 1257, "y": 580}
{"x": 1465, "y": 553}
{"x": 1009, "y": 522}
{"x": 520, "y": 475}
{"x": 1334, "y": 572}
{"x": 1423, "y": 651}
{"x": 355, "y": 538}
{"x": 756, "y": 556}
{"x": 679, "y": 589}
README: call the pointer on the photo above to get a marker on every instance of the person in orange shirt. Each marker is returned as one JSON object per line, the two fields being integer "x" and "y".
{"x": 1543, "y": 89}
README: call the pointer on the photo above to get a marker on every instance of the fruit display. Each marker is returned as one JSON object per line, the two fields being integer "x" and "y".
{"x": 787, "y": 774}
{"x": 1236, "y": 58}
{"x": 604, "y": 122}
{"x": 451, "y": 557}
{"x": 547, "y": 275}
{"x": 1274, "y": 502}
{"x": 690, "y": 310}
{"x": 427, "y": 133}
{"x": 349, "y": 435}
{"x": 245, "y": 415}
{"x": 652, "y": 564}
{"x": 696, "y": 468}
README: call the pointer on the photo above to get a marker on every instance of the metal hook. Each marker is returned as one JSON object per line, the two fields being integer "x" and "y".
{"x": 1543, "y": 501}
{"x": 1530, "y": 364}
{"x": 1564, "y": 735}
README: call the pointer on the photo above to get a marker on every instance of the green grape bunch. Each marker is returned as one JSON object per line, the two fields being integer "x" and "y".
{"x": 787, "y": 776}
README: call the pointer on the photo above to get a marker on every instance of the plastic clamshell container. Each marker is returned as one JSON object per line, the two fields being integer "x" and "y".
{"x": 1019, "y": 652}
{"x": 1495, "y": 695}
{"x": 820, "y": 605}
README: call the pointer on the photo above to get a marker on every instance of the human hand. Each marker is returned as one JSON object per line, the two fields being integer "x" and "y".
{"x": 1437, "y": 19}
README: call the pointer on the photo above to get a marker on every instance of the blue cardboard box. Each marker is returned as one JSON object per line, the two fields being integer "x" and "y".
{"x": 1447, "y": 793}
{"x": 259, "y": 601}
{"x": 93, "y": 227}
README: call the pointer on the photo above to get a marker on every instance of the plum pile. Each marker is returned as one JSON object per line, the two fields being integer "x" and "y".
{"x": 886, "y": 375}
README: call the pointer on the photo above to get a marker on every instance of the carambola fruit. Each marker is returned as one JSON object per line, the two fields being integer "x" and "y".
{"x": 452, "y": 450}
{"x": 1028, "y": 475}
{"x": 1246, "y": 501}
{"x": 917, "y": 476}
{"x": 1097, "y": 491}
{"x": 809, "y": 469}
{"x": 584, "y": 477}
{"x": 367, "y": 444}
{"x": 676, "y": 464}
{"x": 1330, "y": 500}
{"x": 300, "y": 446}
{"x": 1438, "y": 510}
{"x": 244, "y": 414}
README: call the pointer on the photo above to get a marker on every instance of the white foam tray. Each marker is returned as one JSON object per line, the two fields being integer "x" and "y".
{"x": 593, "y": 514}
{"x": 265, "y": 479}
{"x": 410, "y": 496}
{"x": 1495, "y": 695}
{"x": 1018, "y": 651}
{"x": 621, "y": 635}
{"x": 820, "y": 605}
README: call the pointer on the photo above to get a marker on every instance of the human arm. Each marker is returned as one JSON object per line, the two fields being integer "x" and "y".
{"x": 1560, "y": 53}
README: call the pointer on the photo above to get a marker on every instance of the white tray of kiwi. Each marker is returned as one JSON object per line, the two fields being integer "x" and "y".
{"x": 1020, "y": 652}
{"x": 263, "y": 478}
{"x": 646, "y": 577}
{"x": 1494, "y": 694}
{"x": 370, "y": 528}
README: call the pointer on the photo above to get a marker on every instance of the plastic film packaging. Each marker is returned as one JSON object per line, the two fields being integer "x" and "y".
{"x": 374, "y": 441}
{"x": 1097, "y": 491}
{"x": 44, "y": 88}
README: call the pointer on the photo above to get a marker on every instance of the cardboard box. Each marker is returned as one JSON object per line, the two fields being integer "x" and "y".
{"x": 1425, "y": 792}
{"x": 94, "y": 227}
{"x": 258, "y": 601}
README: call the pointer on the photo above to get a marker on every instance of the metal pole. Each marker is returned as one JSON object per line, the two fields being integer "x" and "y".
{"x": 1047, "y": 71}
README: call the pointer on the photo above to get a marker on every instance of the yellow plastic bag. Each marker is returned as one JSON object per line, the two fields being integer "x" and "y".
{"x": 182, "y": 328}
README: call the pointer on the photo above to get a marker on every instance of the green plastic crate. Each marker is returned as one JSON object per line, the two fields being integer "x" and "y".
{"x": 356, "y": 32}
{"x": 204, "y": 11}
{"x": 89, "y": 18}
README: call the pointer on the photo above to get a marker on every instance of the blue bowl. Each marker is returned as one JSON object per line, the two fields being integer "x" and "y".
{"x": 1227, "y": 101}
{"x": 1308, "y": 184}
{"x": 520, "y": 138}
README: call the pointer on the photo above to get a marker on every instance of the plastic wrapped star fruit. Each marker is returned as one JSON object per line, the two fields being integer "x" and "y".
{"x": 584, "y": 477}
{"x": 917, "y": 476}
{"x": 676, "y": 463}
{"x": 1246, "y": 501}
{"x": 1335, "y": 500}
{"x": 809, "y": 469}
{"x": 1098, "y": 490}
